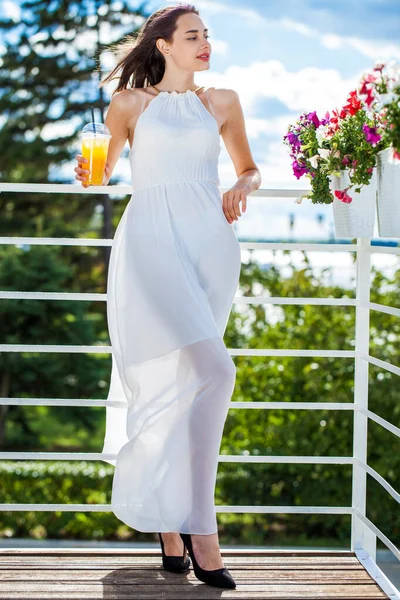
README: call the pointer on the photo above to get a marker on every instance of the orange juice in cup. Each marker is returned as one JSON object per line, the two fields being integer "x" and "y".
{"x": 95, "y": 140}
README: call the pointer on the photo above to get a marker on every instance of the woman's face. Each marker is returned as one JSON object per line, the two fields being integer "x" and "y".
{"x": 190, "y": 40}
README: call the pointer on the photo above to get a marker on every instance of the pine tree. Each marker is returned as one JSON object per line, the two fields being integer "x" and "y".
{"x": 50, "y": 68}
{"x": 48, "y": 81}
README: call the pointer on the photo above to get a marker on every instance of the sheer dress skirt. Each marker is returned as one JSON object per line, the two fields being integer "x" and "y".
{"x": 170, "y": 290}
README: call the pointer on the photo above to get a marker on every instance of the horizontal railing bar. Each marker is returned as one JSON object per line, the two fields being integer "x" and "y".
{"x": 326, "y": 510}
{"x": 233, "y": 351}
{"x": 313, "y": 247}
{"x": 326, "y": 460}
{"x": 61, "y": 402}
{"x": 267, "y": 405}
{"x": 293, "y": 300}
{"x": 316, "y": 246}
{"x": 289, "y": 352}
{"x": 381, "y": 363}
{"x": 233, "y": 404}
{"x": 383, "y": 249}
{"x": 65, "y": 188}
{"x": 223, "y": 458}
{"x": 374, "y": 417}
{"x": 68, "y": 188}
{"x": 254, "y": 245}
{"x": 55, "y": 348}
{"x": 70, "y": 296}
{"x": 52, "y": 241}
{"x": 87, "y": 296}
{"x": 385, "y": 484}
{"x": 378, "y": 533}
{"x": 389, "y": 310}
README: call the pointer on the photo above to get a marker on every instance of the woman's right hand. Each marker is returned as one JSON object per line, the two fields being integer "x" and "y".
{"x": 82, "y": 172}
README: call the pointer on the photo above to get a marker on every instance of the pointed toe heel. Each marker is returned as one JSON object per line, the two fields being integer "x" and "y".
{"x": 174, "y": 564}
{"x": 217, "y": 577}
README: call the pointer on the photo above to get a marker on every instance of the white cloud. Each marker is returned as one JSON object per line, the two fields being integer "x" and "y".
{"x": 11, "y": 10}
{"x": 60, "y": 129}
{"x": 310, "y": 88}
{"x": 219, "y": 47}
{"x": 370, "y": 48}
{"x": 246, "y": 15}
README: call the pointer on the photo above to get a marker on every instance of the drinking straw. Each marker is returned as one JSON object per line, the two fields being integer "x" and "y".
{"x": 94, "y": 126}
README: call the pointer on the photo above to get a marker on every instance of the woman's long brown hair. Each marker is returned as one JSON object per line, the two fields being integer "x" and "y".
{"x": 140, "y": 61}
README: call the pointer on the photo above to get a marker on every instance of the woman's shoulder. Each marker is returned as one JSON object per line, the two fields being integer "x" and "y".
{"x": 223, "y": 96}
{"x": 130, "y": 96}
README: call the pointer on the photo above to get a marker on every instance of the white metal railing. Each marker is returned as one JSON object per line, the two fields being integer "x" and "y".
{"x": 363, "y": 532}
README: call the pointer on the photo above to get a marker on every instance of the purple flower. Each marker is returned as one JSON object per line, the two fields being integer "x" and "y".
{"x": 312, "y": 117}
{"x": 326, "y": 119}
{"x": 293, "y": 140}
{"x": 298, "y": 169}
{"x": 371, "y": 135}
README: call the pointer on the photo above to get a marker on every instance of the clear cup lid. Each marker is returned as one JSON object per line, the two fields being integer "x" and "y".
{"x": 96, "y": 128}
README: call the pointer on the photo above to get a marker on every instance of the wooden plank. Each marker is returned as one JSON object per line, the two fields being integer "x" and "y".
{"x": 89, "y": 575}
{"x": 85, "y": 575}
{"x": 191, "y": 591}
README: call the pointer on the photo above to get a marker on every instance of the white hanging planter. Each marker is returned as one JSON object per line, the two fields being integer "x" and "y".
{"x": 388, "y": 196}
{"x": 356, "y": 219}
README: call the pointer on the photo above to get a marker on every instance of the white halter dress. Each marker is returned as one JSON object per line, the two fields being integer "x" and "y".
{"x": 173, "y": 274}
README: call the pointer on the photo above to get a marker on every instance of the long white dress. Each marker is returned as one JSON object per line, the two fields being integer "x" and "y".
{"x": 173, "y": 273}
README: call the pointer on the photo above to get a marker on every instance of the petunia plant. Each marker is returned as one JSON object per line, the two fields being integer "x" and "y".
{"x": 380, "y": 91}
{"x": 309, "y": 151}
{"x": 346, "y": 140}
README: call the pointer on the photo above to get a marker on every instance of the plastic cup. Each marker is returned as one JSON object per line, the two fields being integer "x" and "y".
{"x": 95, "y": 140}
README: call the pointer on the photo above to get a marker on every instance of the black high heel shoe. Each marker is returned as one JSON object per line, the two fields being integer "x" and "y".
{"x": 217, "y": 577}
{"x": 175, "y": 564}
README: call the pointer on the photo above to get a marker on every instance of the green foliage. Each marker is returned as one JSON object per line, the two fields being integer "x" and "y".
{"x": 37, "y": 374}
{"x": 48, "y": 80}
{"x": 58, "y": 482}
{"x": 252, "y": 432}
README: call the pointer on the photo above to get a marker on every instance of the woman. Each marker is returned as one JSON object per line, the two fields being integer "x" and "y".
{"x": 173, "y": 273}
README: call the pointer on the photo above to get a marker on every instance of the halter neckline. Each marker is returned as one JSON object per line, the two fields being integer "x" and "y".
{"x": 175, "y": 93}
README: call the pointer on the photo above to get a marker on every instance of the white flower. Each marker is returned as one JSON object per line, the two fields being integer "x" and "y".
{"x": 321, "y": 133}
{"x": 299, "y": 200}
{"x": 393, "y": 71}
{"x": 324, "y": 152}
{"x": 386, "y": 99}
{"x": 314, "y": 160}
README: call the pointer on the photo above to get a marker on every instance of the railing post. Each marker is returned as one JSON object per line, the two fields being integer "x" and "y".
{"x": 361, "y": 536}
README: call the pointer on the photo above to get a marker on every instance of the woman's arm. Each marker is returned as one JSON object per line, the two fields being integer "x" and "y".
{"x": 117, "y": 122}
{"x": 235, "y": 139}
{"x": 119, "y": 111}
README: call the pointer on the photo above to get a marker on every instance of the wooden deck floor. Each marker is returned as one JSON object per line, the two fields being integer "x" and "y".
{"x": 138, "y": 574}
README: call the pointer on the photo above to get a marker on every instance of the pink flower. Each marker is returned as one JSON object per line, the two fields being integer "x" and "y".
{"x": 343, "y": 196}
{"x": 379, "y": 66}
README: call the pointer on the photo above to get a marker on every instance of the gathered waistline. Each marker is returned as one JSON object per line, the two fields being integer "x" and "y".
{"x": 145, "y": 187}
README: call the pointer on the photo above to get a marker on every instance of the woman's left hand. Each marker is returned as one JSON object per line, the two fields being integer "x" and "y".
{"x": 231, "y": 198}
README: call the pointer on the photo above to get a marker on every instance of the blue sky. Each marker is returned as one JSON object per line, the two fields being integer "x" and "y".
{"x": 284, "y": 57}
